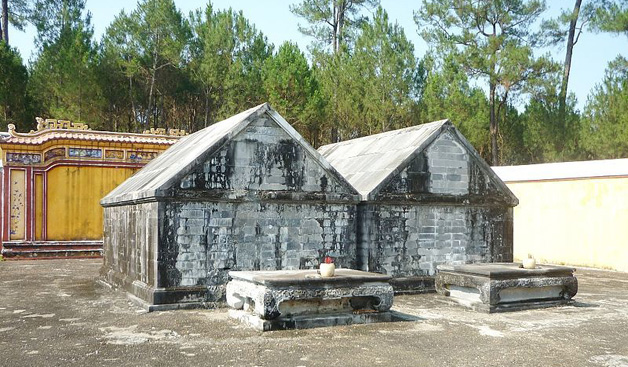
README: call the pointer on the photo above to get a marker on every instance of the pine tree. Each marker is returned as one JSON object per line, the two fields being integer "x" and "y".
{"x": 63, "y": 80}
{"x": 148, "y": 45}
{"x": 293, "y": 90}
{"x": 14, "y": 100}
{"x": 495, "y": 43}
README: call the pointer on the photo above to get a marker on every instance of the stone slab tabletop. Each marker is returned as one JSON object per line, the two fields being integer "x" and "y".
{"x": 307, "y": 277}
{"x": 508, "y": 270}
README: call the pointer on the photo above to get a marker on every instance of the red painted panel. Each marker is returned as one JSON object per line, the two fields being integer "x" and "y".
{"x": 2, "y": 212}
{"x": 5, "y": 207}
{"x": 29, "y": 205}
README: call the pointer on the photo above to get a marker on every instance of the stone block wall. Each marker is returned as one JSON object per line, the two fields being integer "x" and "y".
{"x": 441, "y": 208}
{"x": 411, "y": 240}
{"x": 261, "y": 199}
{"x": 444, "y": 169}
{"x": 448, "y": 165}
{"x": 130, "y": 245}
{"x": 211, "y": 238}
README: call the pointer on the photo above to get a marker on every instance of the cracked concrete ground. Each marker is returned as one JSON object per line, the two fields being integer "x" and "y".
{"x": 52, "y": 313}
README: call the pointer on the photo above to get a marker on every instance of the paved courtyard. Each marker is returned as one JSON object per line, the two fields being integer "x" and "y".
{"x": 53, "y": 313}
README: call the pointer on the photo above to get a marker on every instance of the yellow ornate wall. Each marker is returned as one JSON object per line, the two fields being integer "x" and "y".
{"x": 53, "y": 178}
{"x": 74, "y": 212}
{"x": 571, "y": 213}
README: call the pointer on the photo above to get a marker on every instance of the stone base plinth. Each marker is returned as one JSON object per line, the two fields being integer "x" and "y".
{"x": 272, "y": 300}
{"x": 309, "y": 321}
{"x": 499, "y": 287}
{"x": 413, "y": 285}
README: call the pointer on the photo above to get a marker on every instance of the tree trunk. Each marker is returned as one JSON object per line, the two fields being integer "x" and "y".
{"x": 4, "y": 27}
{"x": 206, "y": 122}
{"x": 340, "y": 23}
{"x": 134, "y": 111}
{"x": 335, "y": 30}
{"x": 493, "y": 126}
{"x": 562, "y": 102}
{"x": 150, "y": 93}
{"x": 339, "y": 9}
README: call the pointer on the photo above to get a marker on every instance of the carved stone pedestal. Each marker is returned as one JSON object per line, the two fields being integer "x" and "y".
{"x": 497, "y": 287}
{"x": 298, "y": 299}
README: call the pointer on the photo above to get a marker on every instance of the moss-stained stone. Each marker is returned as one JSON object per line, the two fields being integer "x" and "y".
{"x": 247, "y": 193}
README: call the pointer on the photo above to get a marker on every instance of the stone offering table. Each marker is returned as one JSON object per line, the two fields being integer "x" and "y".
{"x": 497, "y": 287}
{"x": 297, "y": 299}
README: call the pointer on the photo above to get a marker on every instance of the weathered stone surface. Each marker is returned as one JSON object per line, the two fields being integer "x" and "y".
{"x": 412, "y": 240}
{"x": 311, "y": 321}
{"x": 291, "y": 297}
{"x": 130, "y": 254}
{"x": 428, "y": 199}
{"x": 247, "y": 193}
{"x": 507, "y": 286}
{"x": 252, "y": 236}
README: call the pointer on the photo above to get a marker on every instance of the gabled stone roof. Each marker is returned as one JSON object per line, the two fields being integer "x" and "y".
{"x": 157, "y": 177}
{"x": 368, "y": 163}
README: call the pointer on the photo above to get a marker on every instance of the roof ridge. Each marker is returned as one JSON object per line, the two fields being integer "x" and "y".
{"x": 390, "y": 132}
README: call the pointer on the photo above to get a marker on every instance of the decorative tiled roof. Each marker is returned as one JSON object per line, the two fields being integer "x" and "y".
{"x": 68, "y": 131}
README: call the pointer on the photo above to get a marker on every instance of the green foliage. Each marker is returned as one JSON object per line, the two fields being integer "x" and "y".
{"x": 448, "y": 95}
{"x": 293, "y": 90}
{"x": 492, "y": 41}
{"x": 339, "y": 82}
{"x": 605, "y": 130}
{"x": 17, "y": 12}
{"x": 555, "y": 31}
{"x": 332, "y": 23}
{"x": 63, "y": 79}
{"x": 147, "y": 48}
{"x": 53, "y": 17}
{"x": 611, "y": 16}
{"x": 14, "y": 100}
{"x": 228, "y": 54}
{"x": 156, "y": 68}
{"x": 548, "y": 137}
{"x": 372, "y": 88}
{"x": 389, "y": 84}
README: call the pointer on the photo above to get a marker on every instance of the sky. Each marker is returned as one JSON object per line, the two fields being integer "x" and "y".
{"x": 274, "y": 19}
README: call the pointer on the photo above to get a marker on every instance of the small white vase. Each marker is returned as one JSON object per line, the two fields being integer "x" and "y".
{"x": 529, "y": 263}
{"x": 327, "y": 270}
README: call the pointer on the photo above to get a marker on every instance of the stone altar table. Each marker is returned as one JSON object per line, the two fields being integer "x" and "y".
{"x": 298, "y": 299}
{"x": 498, "y": 287}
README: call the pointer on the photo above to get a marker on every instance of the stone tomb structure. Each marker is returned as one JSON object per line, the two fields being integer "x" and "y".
{"x": 507, "y": 286}
{"x": 247, "y": 193}
{"x": 299, "y": 299}
{"x": 427, "y": 198}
